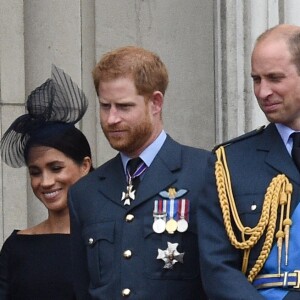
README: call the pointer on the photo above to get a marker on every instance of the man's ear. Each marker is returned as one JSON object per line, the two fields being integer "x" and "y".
{"x": 157, "y": 100}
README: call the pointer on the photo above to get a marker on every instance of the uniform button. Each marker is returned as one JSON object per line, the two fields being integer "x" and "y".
{"x": 253, "y": 207}
{"x": 91, "y": 241}
{"x": 129, "y": 218}
{"x": 127, "y": 254}
{"x": 126, "y": 292}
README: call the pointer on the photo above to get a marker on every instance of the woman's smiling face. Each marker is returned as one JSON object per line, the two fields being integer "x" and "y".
{"x": 52, "y": 173}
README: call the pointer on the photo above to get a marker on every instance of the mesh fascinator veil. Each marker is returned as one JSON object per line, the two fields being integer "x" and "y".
{"x": 57, "y": 101}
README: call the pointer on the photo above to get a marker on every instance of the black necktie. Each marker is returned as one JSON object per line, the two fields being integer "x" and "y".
{"x": 132, "y": 166}
{"x": 296, "y": 149}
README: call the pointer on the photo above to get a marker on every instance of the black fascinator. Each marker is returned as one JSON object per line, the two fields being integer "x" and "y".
{"x": 57, "y": 101}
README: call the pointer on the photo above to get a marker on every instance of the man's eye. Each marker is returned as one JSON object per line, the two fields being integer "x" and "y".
{"x": 124, "y": 107}
{"x": 104, "y": 105}
{"x": 256, "y": 79}
{"x": 275, "y": 79}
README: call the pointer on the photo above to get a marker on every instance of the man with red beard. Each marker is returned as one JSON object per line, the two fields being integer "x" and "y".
{"x": 134, "y": 228}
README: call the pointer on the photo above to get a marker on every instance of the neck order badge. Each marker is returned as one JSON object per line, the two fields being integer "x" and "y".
{"x": 135, "y": 168}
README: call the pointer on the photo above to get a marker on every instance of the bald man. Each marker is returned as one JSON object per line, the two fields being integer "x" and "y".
{"x": 249, "y": 219}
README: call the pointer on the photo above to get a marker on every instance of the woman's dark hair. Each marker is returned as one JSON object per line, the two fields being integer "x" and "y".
{"x": 61, "y": 136}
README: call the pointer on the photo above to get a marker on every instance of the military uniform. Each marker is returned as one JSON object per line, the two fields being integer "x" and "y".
{"x": 253, "y": 160}
{"x": 117, "y": 252}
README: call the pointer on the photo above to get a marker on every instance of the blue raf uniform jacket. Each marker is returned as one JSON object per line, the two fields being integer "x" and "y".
{"x": 103, "y": 230}
{"x": 253, "y": 160}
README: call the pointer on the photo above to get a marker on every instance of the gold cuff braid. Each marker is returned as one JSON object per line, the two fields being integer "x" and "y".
{"x": 278, "y": 196}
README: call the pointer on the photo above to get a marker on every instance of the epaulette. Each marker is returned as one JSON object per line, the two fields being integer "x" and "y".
{"x": 241, "y": 137}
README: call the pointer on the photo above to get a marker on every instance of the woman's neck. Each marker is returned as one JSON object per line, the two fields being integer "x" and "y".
{"x": 56, "y": 223}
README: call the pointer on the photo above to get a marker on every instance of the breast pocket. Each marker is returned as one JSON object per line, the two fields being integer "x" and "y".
{"x": 249, "y": 208}
{"x": 187, "y": 244}
{"x": 99, "y": 241}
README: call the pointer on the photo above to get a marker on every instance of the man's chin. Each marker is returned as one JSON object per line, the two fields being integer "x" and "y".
{"x": 117, "y": 145}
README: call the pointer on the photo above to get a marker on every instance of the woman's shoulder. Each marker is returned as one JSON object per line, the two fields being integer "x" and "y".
{"x": 13, "y": 235}
{"x": 29, "y": 231}
{"x": 10, "y": 240}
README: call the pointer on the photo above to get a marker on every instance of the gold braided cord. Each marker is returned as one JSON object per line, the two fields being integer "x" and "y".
{"x": 278, "y": 194}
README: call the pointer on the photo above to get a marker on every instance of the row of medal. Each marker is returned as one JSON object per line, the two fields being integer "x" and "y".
{"x": 170, "y": 215}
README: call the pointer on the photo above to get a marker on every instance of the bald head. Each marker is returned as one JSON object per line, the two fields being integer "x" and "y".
{"x": 281, "y": 31}
{"x": 289, "y": 34}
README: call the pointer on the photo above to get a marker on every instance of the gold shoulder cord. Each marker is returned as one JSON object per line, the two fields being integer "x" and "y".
{"x": 278, "y": 196}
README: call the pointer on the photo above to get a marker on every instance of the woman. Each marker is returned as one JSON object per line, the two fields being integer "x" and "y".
{"x": 35, "y": 262}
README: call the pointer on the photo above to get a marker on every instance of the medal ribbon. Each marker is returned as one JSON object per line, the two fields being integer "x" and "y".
{"x": 183, "y": 209}
{"x": 159, "y": 208}
{"x": 165, "y": 207}
{"x": 172, "y": 207}
{"x": 155, "y": 211}
{"x": 138, "y": 172}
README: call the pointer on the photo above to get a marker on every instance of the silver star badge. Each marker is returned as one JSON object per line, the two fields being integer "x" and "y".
{"x": 128, "y": 195}
{"x": 170, "y": 256}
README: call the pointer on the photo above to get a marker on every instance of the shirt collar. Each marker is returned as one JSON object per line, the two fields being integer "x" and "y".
{"x": 285, "y": 133}
{"x": 149, "y": 153}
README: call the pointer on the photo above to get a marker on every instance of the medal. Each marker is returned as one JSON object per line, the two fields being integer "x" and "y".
{"x": 129, "y": 194}
{"x": 159, "y": 226}
{"x": 171, "y": 225}
{"x": 170, "y": 256}
{"x": 177, "y": 211}
{"x": 182, "y": 224}
{"x": 159, "y": 214}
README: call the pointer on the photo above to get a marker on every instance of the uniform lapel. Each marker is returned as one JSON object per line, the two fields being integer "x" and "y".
{"x": 112, "y": 180}
{"x": 160, "y": 175}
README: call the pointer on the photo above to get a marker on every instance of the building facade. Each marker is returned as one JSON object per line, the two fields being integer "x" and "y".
{"x": 205, "y": 44}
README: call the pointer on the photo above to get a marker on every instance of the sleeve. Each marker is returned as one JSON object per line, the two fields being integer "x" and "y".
{"x": 78, "y": 255}
{"x": 4, "y": 269}
{"x": 220, "y": 262}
